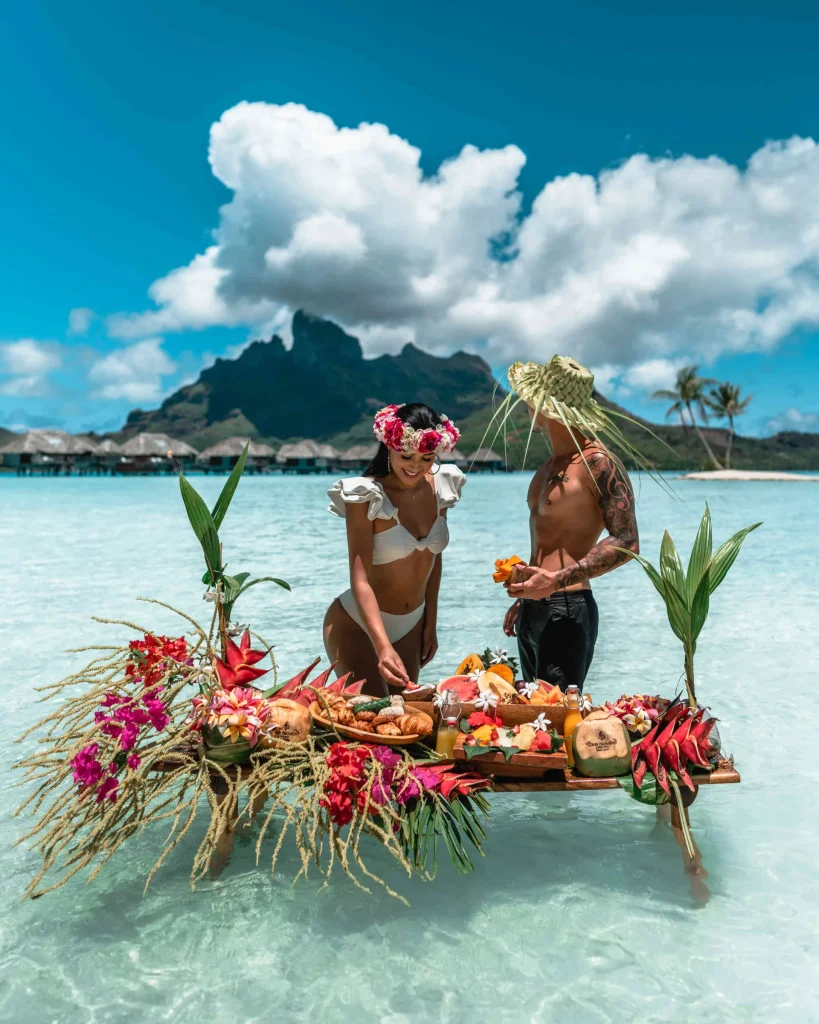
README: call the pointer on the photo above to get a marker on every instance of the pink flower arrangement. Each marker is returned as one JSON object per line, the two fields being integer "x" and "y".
{"x": 391, "y": 430}
{"x": 241, "y": 713}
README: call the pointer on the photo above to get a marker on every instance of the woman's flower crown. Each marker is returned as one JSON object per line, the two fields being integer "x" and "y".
{"x": 395, "y": 434}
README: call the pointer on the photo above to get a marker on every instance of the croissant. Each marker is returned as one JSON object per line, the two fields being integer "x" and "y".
{"x": 388, "y": 729}
{"x": 366, "y": 716}
{"x": 363, "y": 725}
{"x": 416, "y": 723}
{"x": 344, "y": 716}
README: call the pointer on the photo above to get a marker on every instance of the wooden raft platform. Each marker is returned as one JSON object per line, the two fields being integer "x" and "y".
{"x": 569, "y": 781}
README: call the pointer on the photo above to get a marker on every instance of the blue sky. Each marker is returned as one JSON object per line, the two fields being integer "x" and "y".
{"x": 107, "y": 187}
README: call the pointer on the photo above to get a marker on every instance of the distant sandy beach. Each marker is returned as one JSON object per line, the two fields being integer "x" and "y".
{"x": 748, "y": 474}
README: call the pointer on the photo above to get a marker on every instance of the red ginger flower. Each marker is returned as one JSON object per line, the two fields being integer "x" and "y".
{"x": 239, "y": 669}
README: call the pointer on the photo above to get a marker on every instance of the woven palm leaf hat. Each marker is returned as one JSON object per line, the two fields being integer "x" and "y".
{"x": 563, "y": 390}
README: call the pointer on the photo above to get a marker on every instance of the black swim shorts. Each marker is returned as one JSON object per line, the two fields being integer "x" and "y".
{"x": 556, "y": 637}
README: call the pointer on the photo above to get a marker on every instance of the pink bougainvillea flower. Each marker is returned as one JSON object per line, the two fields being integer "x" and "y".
{"x": 389, "y": 758}
{"x": 86, "y": 769}
{"x": 239, "y": 668}
{"x": 133, "y": 761}
{"x": 108, "y": 790}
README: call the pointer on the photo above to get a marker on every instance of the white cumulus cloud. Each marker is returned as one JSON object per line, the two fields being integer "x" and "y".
{"x": 793, "y": 419}
{"x": 638, "y": 265}
{"x": 133, "y": 373}
{"x": 80, "y": 320}
{"x": 25, "y": 365}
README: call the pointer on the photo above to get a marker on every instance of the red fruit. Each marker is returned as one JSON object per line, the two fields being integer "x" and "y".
{"x": 542, "y": 741}
{"x": 466, "y": 688}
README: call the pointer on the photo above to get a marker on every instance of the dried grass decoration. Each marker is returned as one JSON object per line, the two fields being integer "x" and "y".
{"x": 161, "y": 730}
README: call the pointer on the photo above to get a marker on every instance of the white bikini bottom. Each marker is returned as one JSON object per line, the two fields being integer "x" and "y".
{"x": 396, "y": 626}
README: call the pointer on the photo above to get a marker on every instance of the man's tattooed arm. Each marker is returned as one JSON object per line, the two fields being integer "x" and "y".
{"x": 616, "y": 500}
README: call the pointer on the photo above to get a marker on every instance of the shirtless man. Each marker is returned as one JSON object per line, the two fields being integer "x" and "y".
{"x": 571, "y": 502}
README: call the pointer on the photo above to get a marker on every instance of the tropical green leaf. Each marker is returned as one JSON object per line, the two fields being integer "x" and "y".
{"x": 700, "y": 556}
{"x": 202, "y": 523}
{"x": 650, "y": 571}
{"x": 725, "y": 556}
{"x": 649, "y": 793}
{"x": 263, "y": 579}
{"x": 679, "y": 616}
{"x": 226, "y": 496}
{"x": 671, "y": 568}
{"x": 699, "y": 605}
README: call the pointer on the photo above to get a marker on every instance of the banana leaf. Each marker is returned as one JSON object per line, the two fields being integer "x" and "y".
{"x": 649, "y": 793}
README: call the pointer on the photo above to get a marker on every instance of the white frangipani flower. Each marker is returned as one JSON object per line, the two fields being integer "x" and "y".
{"x": 639, "y": 722}
{"x": 498, "y": 655}
{"x": 585, "y": 702}
{"x": 529, "y": 689}
{"x": 542, "y": 723}
{"x": 214, "y": 596}
{"x": 475, "y": 676}
{"x": 439, "y": 700}
{"x": 486, "y": 700}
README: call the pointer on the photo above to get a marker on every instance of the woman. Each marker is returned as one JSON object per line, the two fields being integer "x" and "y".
{"x": 383, "y": 629}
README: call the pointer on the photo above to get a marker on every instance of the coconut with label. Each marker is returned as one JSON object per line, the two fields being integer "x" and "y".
{"x": 601, "y": 746}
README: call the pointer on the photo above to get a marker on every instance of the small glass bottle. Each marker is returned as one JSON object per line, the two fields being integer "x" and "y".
{"x": 448, "y": 728}
{"x": 574, "y": 717}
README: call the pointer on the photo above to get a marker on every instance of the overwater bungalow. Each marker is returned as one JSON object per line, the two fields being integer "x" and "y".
{"x": 357, "y": 457}
{"x": 486, "y": 460}
{"x": 49, "y": 452}
{"x": 306, "y": 457}
{"x": 222, "y": 457}
{"x": 460, "y": 460}
{"x": 155, "y": 453}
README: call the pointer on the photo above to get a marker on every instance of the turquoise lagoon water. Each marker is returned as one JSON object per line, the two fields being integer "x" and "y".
{"x": 580, "y": 910}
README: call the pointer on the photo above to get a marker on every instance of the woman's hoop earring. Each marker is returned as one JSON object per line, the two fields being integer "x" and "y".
{"x": 435, "y": 472}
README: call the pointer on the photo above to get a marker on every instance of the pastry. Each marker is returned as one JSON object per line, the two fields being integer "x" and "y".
{"x": 366, "y": 716}
{"x": 388, "y": 715}
{"x": 417, "y": 723}
{"x": 388, "y": 729}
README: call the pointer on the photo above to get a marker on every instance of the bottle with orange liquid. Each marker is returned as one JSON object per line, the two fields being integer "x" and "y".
{"x": 448, "y": 728}
{"x": 573, "y": 718}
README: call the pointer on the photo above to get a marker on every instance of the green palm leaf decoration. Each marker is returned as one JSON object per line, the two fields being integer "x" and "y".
{"x": 687, "y": 593}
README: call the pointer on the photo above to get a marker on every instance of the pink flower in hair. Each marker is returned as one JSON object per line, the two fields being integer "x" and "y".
{"x": 429, "y": 441}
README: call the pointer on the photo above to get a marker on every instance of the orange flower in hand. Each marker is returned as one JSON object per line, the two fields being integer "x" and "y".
{"x": 503, "y": 568}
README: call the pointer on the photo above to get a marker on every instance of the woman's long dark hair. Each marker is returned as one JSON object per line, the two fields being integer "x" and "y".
{"x": 415, "y": 415}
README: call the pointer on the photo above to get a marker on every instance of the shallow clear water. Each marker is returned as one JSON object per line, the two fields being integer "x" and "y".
{"x": 580, "y": 910}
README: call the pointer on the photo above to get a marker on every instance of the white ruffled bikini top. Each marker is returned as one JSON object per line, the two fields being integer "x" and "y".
{"x": 398, "y": 542}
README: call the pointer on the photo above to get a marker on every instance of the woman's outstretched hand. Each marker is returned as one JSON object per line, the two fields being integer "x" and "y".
{"x": 429, "y": 643}
{"x": 510, "y": 620}
{"x": 392, "y": 668}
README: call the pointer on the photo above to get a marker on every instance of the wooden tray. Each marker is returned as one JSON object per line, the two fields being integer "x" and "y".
{"x": 359, "y": 734}
{"x": 509, "y": 714}
{"x": 520, "y": 766}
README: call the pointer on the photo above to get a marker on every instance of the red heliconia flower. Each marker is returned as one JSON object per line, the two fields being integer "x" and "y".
{"x": 239, "y": 669}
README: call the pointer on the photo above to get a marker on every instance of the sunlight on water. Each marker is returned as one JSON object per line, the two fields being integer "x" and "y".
{"x": 580, "y": 910}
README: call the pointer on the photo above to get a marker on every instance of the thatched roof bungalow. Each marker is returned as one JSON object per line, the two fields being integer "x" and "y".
{"x": 225, "y": 454}
{"x": 44, "y": 448}
{"x": 306, "y": 457}
{"x": 487, "y": 460}
{"x": 460, "y": 460}
{"x": 358, "y": 456}
{"x": 157, "y": 446}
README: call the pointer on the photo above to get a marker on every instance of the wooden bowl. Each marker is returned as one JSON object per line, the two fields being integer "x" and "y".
{"x": 359, "y": 734}
{"x": 520, "y": 766}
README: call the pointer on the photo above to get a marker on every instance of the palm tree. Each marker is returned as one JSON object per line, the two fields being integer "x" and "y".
{"x": 725, "y": 403}
{"x": 689, "y": 391}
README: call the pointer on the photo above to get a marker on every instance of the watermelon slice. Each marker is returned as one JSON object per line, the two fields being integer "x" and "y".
{"x": 466, "y": 688}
